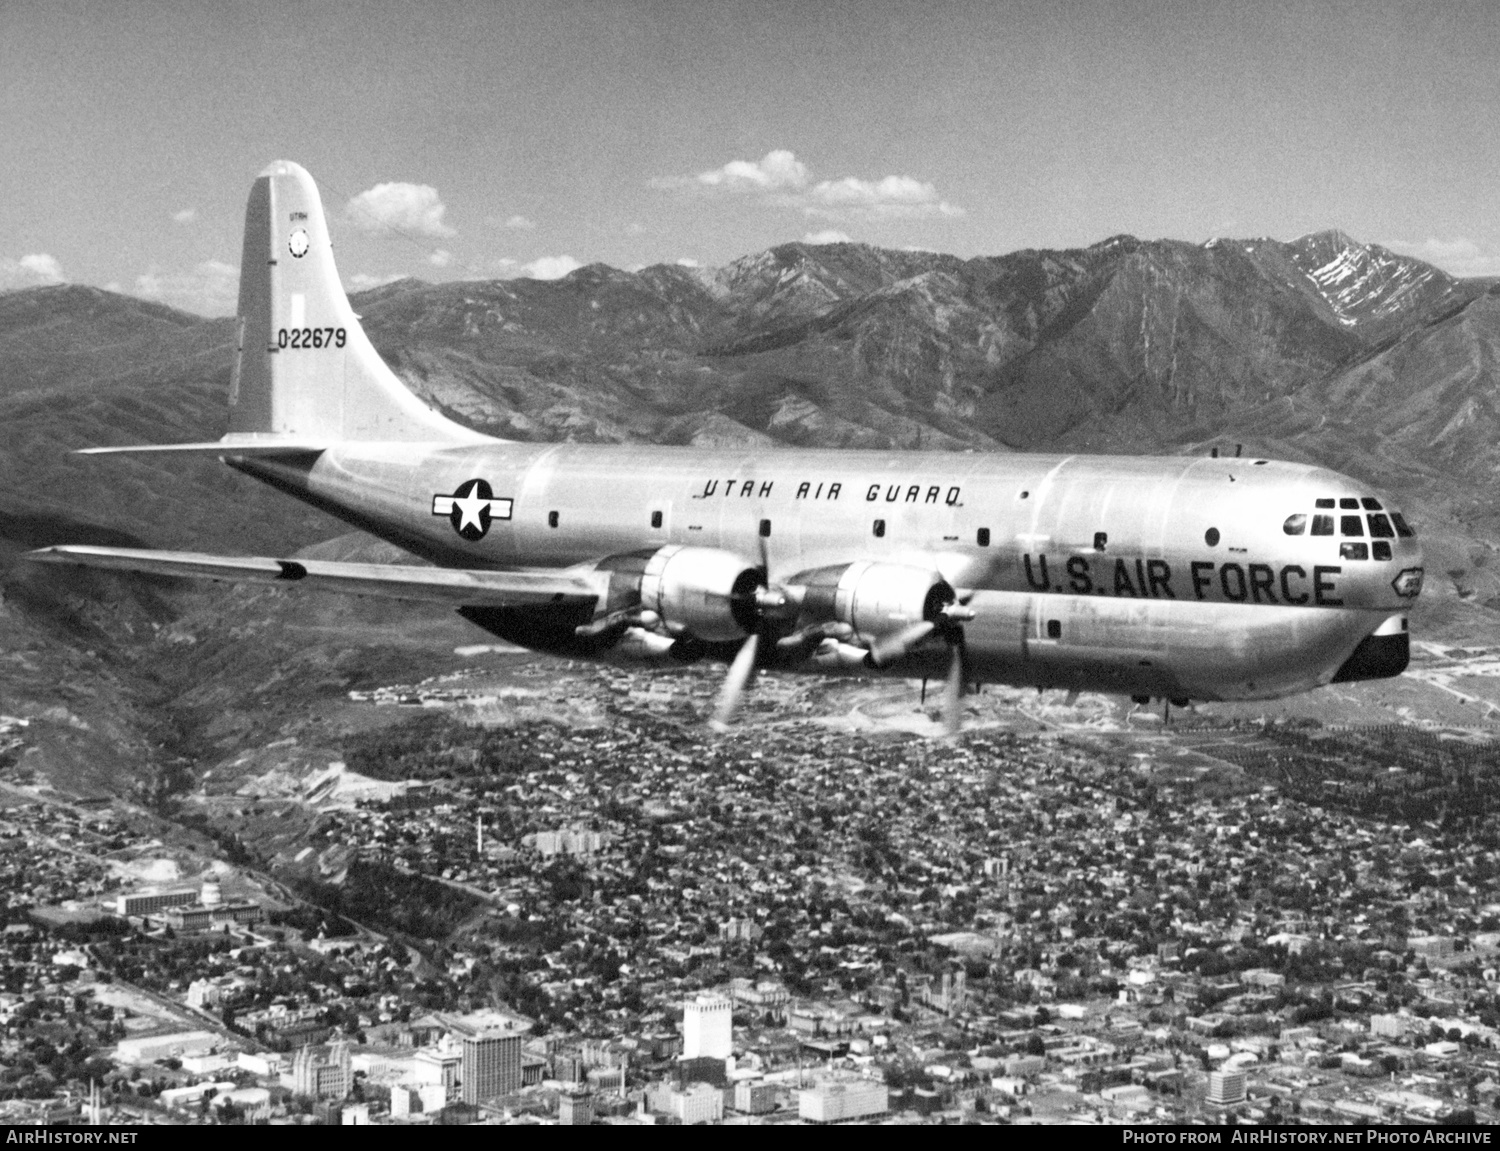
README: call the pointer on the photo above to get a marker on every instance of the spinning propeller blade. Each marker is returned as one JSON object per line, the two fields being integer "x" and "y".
{"x": 953, "y": 691}
{"x": 739, "y": 675}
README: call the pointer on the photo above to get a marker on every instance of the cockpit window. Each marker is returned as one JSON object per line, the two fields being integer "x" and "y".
{"x": 1351, "y": 526}
{"x": 1295, "y": 525}
{"x": 1380, "y": 528}
{"x": 1322, "y": 525}
{"x": 1402, "y": 529}
{"x": 1348, "y": 551}
{"x": 1370, "y": 503}
{"x": 1325, "y": 503}
{"x": 1349, "y": 502}
{"x": 1381, "y": 550}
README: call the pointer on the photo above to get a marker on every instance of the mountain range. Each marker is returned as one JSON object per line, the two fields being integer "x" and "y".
{"x": 1323, "y": 349}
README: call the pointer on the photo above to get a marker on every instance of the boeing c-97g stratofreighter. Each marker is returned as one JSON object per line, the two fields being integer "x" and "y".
{"x": 1171, "y": 577}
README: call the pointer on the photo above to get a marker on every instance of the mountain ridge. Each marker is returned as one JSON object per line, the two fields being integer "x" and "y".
{"x": 1321, "y": 349}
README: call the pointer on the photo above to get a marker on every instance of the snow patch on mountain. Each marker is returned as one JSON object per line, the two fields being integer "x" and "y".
{"x": 1361, "y": 282}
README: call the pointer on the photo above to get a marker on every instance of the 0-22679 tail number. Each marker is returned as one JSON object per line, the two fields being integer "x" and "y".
{"x": 298, "y": 338}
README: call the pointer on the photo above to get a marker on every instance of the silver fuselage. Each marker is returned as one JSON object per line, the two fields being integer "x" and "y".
{"x": 1154, "y": 576}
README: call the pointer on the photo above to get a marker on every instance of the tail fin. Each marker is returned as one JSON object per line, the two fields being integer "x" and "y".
{"x": 304, "y": 369}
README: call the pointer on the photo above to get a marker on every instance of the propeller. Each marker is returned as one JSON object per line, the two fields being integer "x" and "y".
{"x": 739, "y": 675}
{"x": 763, "y": 602}
{"x": 945, "y": 622}
{"x": 953, "y": 688}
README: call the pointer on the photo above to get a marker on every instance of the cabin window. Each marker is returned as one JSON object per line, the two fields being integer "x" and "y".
{"x": 879, "y": 529}
{"x": 1101, "y": 540}
{"x": 982, "y": 537}
{"x": 1371, "y": 504}
{"x": 1349, "y": 502}
{"x": 1325, "y": 503}
{"x": 551, "y": 519}
{"x": 1351, "y": 526}
{"x": 656, "y": 519}
{"x": 1380, "y": 528}
{"x": 1295, "y": 525}
{"x": 1054, "y": 629}
{"x": 1402, "y": 529}
{"x": 1381, "y": 550}
{"x": 765, "y": 529}
{"x": 1348, "y": 551}
{"x": 1211, "y": 537}
{"x": 1322, "y": 525}
{"x": 1025, "y": 495}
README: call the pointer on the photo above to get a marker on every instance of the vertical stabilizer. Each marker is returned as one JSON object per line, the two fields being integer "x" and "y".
{"x": 304, "y": 368}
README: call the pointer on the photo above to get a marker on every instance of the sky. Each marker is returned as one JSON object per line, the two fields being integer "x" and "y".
{"x": 477, "y": 140}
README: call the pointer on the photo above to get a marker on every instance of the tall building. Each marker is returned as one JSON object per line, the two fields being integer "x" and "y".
{"x": 322, "y": 1073}
{"x": 707, "y": 1028}
{"x": 491, "y": 1066}
{"x": 1226, "y": 1087}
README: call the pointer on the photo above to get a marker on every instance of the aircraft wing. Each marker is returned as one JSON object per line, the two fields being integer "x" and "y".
{"x": 248, "y": 446}
{"x": 473, "y": 588}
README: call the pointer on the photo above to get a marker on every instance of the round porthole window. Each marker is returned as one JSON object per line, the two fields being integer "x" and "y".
{"x": 1211, "y": 537}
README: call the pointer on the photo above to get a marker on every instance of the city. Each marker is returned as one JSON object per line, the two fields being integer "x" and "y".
{"x": 631, "y": 920}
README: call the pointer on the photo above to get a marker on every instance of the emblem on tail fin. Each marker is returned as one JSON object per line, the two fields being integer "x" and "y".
{"x": 471, "y": 509}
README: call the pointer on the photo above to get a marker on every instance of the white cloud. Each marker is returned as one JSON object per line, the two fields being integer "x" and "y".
{"x": 549, "y": 268}
{"x": 209, "y": 289}
{"x": 826, "y": 236}
{"x": 440, "y": 258}
{"x": 776, "y": 169}
{"x": 892, "y": 197}
{"x": 30, "y": 271}
{"x": 1458, "y": 257}
{"x": 520, "y": 222}
{"x": 43, "y": 266}
{"x": 364, "y": 281}
{"x": 780, "y": 179}
{"x": 414, "y": 208}
{"x": 186, "y": 216}
{"x": 635, "y": 229}
{"x": 687, "y": 262}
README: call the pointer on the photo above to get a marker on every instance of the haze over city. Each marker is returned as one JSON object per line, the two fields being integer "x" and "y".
{"x": 473, "y": 141}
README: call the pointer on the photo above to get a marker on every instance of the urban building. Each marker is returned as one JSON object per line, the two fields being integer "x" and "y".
{"x": 1431, "y": 946}
{"x": 707, "y": 1028}
{"x": 700, "y": 1103}
{"x": 739, "y": 929}
{"x": 704, "y": 1069}
{"x": 491, "y": 1066}
{"x": 322, "y": 1073}
{"x": 150, "y": 1048}
{"x": 152, "y": 902}
{"x": 754, "y": 1098}
{"x": 575, "y": 1108}
{"x": 837, "y": 1102}
{"x": 1226, "y": 1087}
{"x": 214, "y": 916}
{"x": 438, "y": 1065}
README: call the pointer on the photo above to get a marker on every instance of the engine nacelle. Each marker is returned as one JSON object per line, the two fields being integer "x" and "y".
{"x": 875, "y": 599}
{"x": 703, "y": 592}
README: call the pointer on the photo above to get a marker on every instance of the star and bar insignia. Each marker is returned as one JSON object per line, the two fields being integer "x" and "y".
{"x": 471, "y": 509}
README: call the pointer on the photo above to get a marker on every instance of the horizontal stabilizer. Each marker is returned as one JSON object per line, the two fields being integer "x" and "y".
{"x": 468, "y": 588}
{"x": 260, "y": 446}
